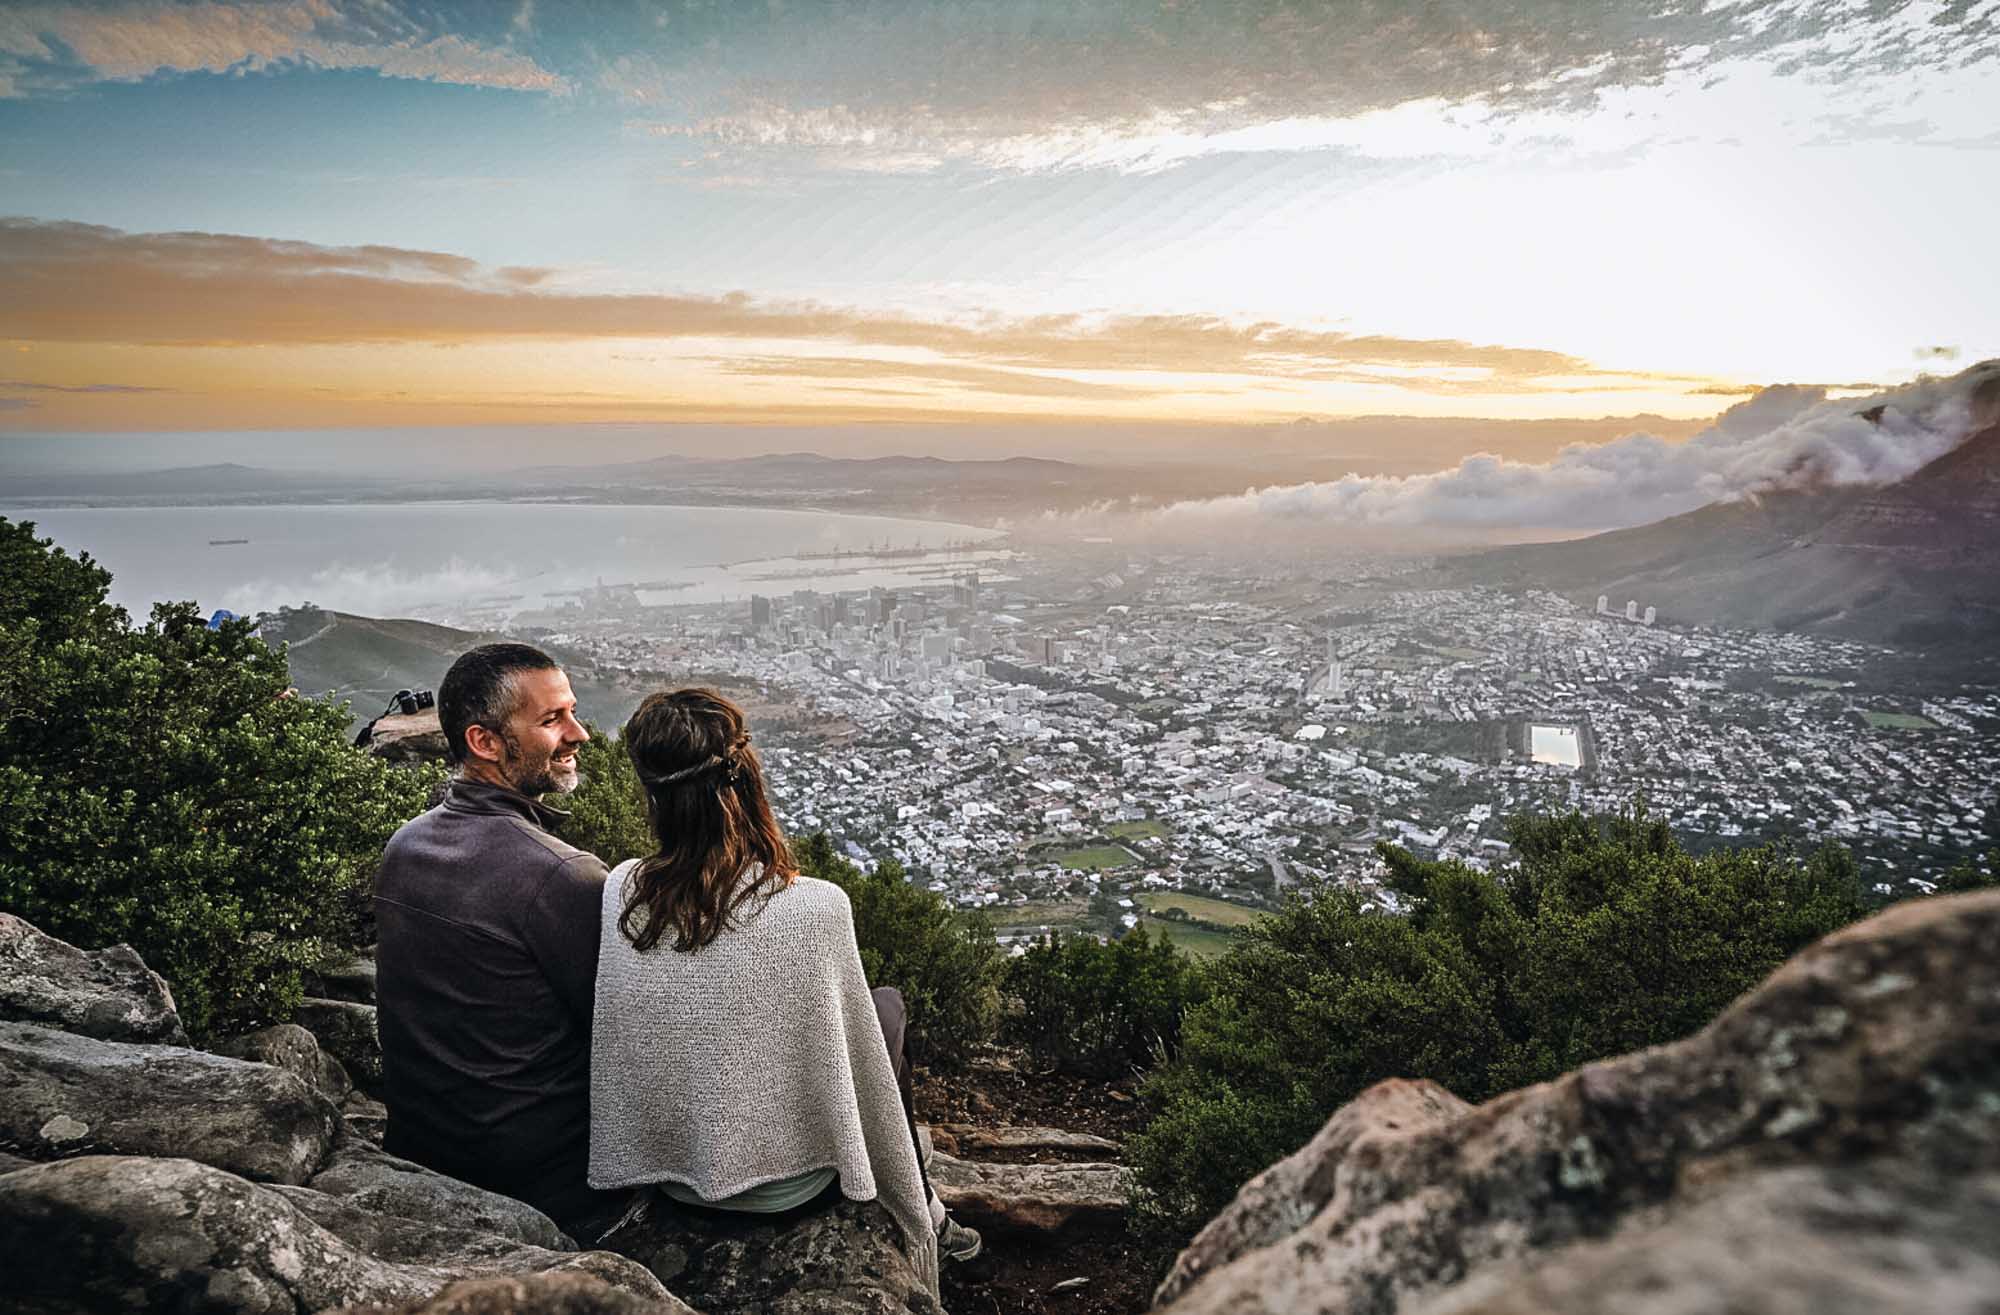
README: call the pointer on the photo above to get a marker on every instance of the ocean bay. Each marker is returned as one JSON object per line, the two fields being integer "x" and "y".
{"x": 455, "y": 562}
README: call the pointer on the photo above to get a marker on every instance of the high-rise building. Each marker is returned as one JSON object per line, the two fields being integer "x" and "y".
{"x": 1631, "y": 609}
{"x": 1604, "y": 605}
{"x": 760, "y": 612}
{"x": 1651, "y": 613}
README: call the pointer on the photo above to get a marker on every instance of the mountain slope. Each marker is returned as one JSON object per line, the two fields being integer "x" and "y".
{"x": 1914, "y": 563}
{"x": 365, "y": 660}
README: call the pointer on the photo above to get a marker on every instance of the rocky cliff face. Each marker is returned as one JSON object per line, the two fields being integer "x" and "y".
{"x": 1830, "y": 1144}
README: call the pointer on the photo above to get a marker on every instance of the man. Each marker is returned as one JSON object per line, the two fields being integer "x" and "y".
{"x": 487, "y": 960}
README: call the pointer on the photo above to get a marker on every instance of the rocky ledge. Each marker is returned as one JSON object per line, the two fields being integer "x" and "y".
{"x": 138, "y": 1173}
{"x": 1830, "y": 1144}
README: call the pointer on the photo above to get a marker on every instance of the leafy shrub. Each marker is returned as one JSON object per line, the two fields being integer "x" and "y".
{"x": 162, "y": 786}
{"x": 946, "y": 963}
{"x": 1100, "y": 1009}
{"x": 607, "y": 810}
{"x": 1604, "y": 937}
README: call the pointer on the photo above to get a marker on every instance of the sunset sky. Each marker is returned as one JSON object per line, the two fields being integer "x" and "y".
{"x": 320, "y": 214}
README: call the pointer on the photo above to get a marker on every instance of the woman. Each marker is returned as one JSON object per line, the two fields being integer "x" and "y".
{"x": 738, "y": 1059}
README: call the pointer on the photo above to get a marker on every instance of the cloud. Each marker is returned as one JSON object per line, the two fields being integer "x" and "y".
{"x": 1786, "y": 437}
{"x": 67, "y": 282}
{"x": 1036, "y": 86}
{"x": 972, "y": 378}
{"x": 23, "y": 385}
{"x": 54, "y": 45}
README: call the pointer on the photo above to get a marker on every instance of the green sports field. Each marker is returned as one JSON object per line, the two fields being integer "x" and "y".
{"x": 1095, "y": 858}
{"x": 1148, "y": 829}
{"x": 1897, "y": 721}
{"x": 1191, "y": 938}
{"x": 1200, "y": 907}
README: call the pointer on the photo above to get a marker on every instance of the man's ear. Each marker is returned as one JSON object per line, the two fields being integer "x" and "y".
{"x": 484, "y": 743}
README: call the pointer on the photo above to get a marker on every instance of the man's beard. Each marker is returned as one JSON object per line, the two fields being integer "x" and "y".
{"x": 532, "y": 775}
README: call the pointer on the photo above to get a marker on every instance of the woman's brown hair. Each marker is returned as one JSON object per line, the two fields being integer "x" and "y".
{"x": 719, "y": 845}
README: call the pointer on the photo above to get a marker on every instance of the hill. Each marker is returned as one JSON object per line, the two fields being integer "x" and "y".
{"x": 365, "y": 660}
{"x": 1916, "y": 563}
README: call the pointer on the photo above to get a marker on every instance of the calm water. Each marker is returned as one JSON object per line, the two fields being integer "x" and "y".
{"x": 444, "y": 561}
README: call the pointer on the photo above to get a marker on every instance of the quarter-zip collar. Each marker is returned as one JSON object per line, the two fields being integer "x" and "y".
{"x": 465, "y": 795}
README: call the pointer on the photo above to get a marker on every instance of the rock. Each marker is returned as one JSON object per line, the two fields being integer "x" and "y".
{"x": 366, "y": 1120}
{"x": 1031, "y": 1198}
{"x": 1871, "y": 1057}
{"x": 108, "y": 994}
{"x": 371, "y": 1180}
{"x": 554, "y": 1293}
{"x": 967, "y": 1139}
{"x": 346, "y": 1030}
{"x": 120, "y": 1233}
{"x": 843, "y": 1259}
{"x": 1283, "y": 1198}
{"x": 295, "y": 1050}
{"x": 415, "y": 737}
{"x": 63, "y": 1094}
{"x": 1801, "y": 1241}
{"x": 352, "y": 980}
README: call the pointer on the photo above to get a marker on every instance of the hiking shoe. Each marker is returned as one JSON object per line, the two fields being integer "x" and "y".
{"x": 957, "y": 1243}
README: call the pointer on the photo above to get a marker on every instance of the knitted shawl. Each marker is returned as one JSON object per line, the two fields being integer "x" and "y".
{"x": 754, "y": 1058}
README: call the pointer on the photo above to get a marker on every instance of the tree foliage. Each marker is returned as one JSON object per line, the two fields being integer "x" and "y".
{"x": 946, "y": 963}
{"x": 162, "y": 785}
{"x": 607, "y": 810}
{"x": 1101, "y": 1009}
{"x": 1604, "y": 936}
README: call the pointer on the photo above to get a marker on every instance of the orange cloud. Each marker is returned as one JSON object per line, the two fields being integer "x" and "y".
{"x": 64, "y": 282}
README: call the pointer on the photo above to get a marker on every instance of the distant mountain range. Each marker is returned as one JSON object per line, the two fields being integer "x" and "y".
{"x": 934, "y": 486}
{"x": 1913, "y": 564}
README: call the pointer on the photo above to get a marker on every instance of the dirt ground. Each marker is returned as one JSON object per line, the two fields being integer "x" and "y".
{"x": 1019, "y": 1275}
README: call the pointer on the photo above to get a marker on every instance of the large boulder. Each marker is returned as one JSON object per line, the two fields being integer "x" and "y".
{"x": 555, "y": 1292}
{"x": 843, "y": 1259}
{"x": 1807, "y": 1240}
{"x": 412, "y": 737}
{"x": 108, "y": 994}
{"x": 371, "y": 1180}
{"x": 295, "y": 1050}
{"x": 1052, "y": 1199}
{"x": 1876, "y": 1051}
{"x": 110, "y": 1233}
{"x": 346, "y": 1030}
{"x": 62, "y": 1094}
{"x": 1285, "y": 1197}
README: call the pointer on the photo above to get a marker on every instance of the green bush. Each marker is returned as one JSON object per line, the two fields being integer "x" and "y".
{"x": 1604, "y": 937}
{"x": 946, "y": 963}
{"x": 1100, "y": 1009}
{"x": 162, "y": 786}
{"x": 607, "y": 810}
